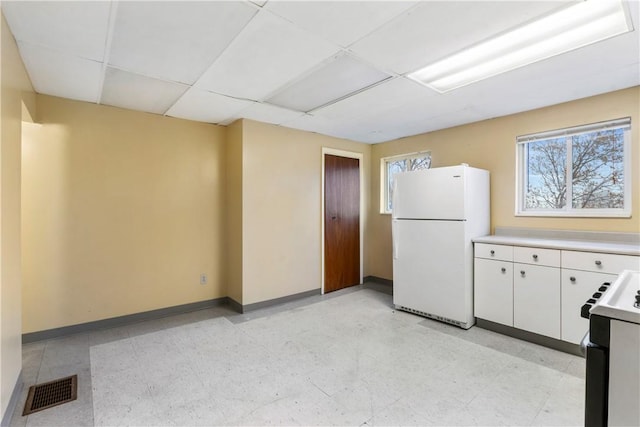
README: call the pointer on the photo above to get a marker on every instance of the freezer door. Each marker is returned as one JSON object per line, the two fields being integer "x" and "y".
{"x": 429, "y": 268}
{"x": 434, "y": 194}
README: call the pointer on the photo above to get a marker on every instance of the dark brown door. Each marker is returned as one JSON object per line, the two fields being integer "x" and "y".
{"x": 341, "y": 222}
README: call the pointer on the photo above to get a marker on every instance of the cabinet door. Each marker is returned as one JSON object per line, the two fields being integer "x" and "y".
{"x": 536, "y": 299}
{"x": 493, "y": 290}
{"x": 577, "y": 287}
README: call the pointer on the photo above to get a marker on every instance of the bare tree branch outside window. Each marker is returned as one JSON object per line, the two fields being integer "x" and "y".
{"x": 546, "y": 180}
{"x": 403, "y": 165}
{"x": 598, "y": 170}
{"x": 596, "y": 165}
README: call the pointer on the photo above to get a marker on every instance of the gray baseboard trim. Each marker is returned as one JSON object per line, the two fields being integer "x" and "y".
{"x": 121, "y": 320}
{"x": 235, "y": 305}
{"x": 530, "y": 336}
{"x": 278, "y": 301}
{"x": 13, "y": 401}
{"x": 377, "y": 279}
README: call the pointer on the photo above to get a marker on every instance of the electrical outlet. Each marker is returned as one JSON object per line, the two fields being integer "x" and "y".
{"x": 203, "y": 279}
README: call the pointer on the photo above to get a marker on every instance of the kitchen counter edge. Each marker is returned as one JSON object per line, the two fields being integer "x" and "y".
{"x": 569, "y": 245}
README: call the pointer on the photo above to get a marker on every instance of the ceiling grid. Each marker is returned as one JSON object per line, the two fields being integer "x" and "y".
{"x": 336, "y": 68}
{"x": 107, "y": 47}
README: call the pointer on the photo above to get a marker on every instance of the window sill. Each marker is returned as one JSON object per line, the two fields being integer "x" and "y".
{"x": 576, "y": 214}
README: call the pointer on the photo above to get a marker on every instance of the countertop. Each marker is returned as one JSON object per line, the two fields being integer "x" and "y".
{"x": 570, "y": 245}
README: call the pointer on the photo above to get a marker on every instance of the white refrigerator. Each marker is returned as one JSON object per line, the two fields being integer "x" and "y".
{"x": 436, "y": 213}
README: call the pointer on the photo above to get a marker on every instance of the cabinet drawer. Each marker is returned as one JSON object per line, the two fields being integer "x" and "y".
{"x": 598, "y": 262}
{"x": 537, "y": 256}
{"x": 489, "y": 251}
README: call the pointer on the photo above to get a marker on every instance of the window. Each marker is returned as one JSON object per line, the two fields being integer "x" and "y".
{"x": 391, "y": 166}
{"x": 580, "y": 171}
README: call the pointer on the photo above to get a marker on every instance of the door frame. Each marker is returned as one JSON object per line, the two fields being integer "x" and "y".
{"x": 351, "y": 155}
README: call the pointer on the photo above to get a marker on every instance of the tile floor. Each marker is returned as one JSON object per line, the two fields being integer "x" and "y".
{"x": 347, "y": 358}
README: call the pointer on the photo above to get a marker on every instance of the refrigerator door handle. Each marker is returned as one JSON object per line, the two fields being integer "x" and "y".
{"x": 394, "y": 238}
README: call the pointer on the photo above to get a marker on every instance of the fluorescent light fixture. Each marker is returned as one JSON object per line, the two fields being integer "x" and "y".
{"x": 576, "y": 26}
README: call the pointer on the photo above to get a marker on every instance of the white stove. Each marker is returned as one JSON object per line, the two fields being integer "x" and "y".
{"x": 622, "y": 300}
{"x": 612, "y": 348}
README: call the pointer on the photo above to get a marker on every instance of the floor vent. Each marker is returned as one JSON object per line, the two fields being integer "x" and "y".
{"x": 53, "y": 393}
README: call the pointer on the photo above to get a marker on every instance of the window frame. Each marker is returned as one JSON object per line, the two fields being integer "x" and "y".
{"x": 384, "y": 179}
{"x": 569, "y": 211}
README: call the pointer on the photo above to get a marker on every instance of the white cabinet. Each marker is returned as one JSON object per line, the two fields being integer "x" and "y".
{"x": 493, "y": 290}
{"x": 582, "y": 274}
{"x": 540, "y": 289}
{"x": 536, "y": 299}
{"x": 518, "y": 286}
{"x": 577, "y": 287}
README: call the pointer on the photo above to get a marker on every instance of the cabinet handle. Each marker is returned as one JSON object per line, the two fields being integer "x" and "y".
{"x": 504, "y": 270}
{"x": 572, "y": 279}
{"x": 598, "y": 262}
{"x": 492, "y": 252}
{"x": 535, "y": 257}
{"x": 522, "y": 273}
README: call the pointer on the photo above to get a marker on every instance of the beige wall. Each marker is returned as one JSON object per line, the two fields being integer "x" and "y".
{"x": 491, "y": 145}
{"x": 15, "y": 88}
{"x": 122, "y": 212}
{"x": 234, "y": 211}
{"x": 281, "y": 208}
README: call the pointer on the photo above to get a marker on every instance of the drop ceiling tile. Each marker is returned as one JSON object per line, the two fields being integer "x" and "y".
{"x": 58, "y": 74}
{"x": 203, "y": 106}
{"x": 75, "y": 28}
{"x": 634, "y": 13}
{"x": 379, "y": 99}
{"x": 428, "y": 108}
{"x": 359, "y": 131}
{"x": 419, "y": 125}
{"x": 136, "y": 92}
{"x": 415, "y": 115}
{"x": 524, "y": 92}
{"x": 374, "y": 135}
{"x": 598, "y": 58}
{"x": 436, "y": 29}
{"x": 596, "y": 84}
{"x": 175, "y": 41}
{"x": 335, "y": 79}
{"x": 402, "y": 123}
{"x": 341, "y": 22}
{"x": 371, "y": 137}
{"x": 265, "y": 113}
{"x": 267, "y": 54}
{"x": 319, "y": 124}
